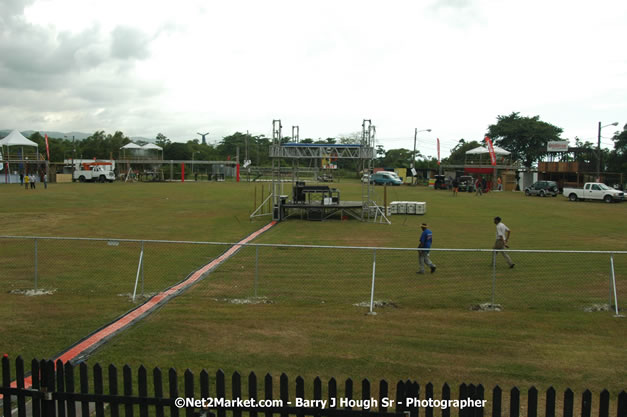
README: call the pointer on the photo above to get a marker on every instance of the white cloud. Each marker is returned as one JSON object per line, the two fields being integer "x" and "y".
{"x": 449, "y": 65}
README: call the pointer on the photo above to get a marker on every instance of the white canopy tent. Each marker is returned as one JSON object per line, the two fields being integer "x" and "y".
{"x": 131, "y": 146}
{"x": 23, "y": 159}
{"x": 483, "y": 150}
{"x": 481, "y": 156}
{"x": 15, "y": 138}
{"x": 152, "y": 146}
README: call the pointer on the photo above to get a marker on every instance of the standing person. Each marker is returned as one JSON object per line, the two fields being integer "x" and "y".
{"x": 499, "y": 184}
{"x": 502, "y": 237}
{"x": 26, "y": 179}
{"x": 478, "y": 188}
{"x": 21, "y": 178}
{"x": 32, "y": 181}
{"x": 426, "y": 238}
{"x": 455, "y": 187}
{"x": 46, "y": 181}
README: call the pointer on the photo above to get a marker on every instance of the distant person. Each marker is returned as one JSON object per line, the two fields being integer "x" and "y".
{"x": 484, "y": 185}
{"x": 499, "y": 184}
{"x": 45, "y": 181}
{"x": 478, "y": 189}
{"x": 455, "y": 186}
{"x": 426, "y": 238}
{"x": 21, "y": 178}
{"x": 502, "y": 238}
{"x": 26, "y": 181}
{"x": 32, "y": 181}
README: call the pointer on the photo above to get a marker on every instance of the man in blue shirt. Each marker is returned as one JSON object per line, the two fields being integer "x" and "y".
{"x": 426, "y": 238}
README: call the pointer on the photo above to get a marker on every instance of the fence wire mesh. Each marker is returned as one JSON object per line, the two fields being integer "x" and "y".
{"x": 109, "y": 272}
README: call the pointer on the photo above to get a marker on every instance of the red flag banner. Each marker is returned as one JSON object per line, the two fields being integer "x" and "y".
{"x": 438, "y": 151}
{"x": 491, "y": 150}
{"x": 47, "y": 147}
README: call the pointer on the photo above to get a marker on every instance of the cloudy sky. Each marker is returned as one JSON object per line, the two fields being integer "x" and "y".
{"x": 181, "y": 67}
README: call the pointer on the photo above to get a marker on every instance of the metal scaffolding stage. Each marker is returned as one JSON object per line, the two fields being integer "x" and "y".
{"x": 317, "y": 202}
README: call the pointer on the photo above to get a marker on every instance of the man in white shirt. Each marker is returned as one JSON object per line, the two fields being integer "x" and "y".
{"x": 502, "y": 237}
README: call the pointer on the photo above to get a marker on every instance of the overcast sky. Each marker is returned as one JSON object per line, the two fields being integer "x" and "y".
{"x": 181, "y": 67}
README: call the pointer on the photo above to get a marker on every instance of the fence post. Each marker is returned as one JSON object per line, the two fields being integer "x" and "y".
{"x": 374, "y": 268}
{"x": 493, "y": 277}
{"x": 142, "y": 269}
{"x": 36, "y": 264}
{"x": 139, "y": 268}
{"x": 256, "y": 269}
{"x": 613, "y": 278}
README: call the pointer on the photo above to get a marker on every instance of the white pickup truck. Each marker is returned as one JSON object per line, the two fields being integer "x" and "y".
{"x": 594, "y": 191}
{"x": 96, "y": 173}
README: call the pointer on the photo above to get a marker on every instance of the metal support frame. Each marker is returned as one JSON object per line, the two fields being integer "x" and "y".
{"x": 295, "y": 150}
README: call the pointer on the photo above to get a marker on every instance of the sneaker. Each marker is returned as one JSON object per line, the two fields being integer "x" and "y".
{"x": 433, "y": 268}
{"x": 511, "y": 266}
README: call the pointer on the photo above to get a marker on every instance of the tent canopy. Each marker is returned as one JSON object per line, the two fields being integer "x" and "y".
{"x": 152, "y": 146}
{"x": 15, "y": 138}
{"x": 482, "y": 150}
{"x": 131, "y": 146}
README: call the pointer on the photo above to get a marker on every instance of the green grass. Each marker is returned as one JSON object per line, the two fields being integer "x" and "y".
{"x": 312, "y": 327}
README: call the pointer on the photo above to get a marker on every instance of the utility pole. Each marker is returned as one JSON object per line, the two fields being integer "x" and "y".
{"x": 413, "y": 160}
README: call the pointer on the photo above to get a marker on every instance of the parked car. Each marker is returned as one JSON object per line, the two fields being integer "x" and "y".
{"x": 442, "y": 182}
{"x": 466, "y": 183}
{"x": 385, "y": 177}
{"x": 543, "y": 189}
{"x": 325, "y": 178}
{"x": 594, "y": 191}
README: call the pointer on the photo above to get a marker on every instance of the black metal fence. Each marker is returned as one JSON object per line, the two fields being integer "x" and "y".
{"x": 51, "y": 389}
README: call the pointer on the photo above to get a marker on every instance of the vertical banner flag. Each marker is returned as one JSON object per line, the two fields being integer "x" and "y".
{"x": 438, "y": 151}
{"x": 491, "y": 150}
{"x": 47, "y": 147}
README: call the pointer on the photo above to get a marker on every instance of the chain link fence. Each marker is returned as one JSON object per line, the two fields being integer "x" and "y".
{"x": 115, "y": 273}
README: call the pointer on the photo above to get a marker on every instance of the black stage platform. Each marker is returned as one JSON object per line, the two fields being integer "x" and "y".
{"x": 317, "y": 211}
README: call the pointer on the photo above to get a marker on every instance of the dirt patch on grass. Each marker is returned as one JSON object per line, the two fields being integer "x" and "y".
{"x": 486, "y": 307}
{"x": 377, "y": 304}
{"x": 33, "y": 293}
{"x": 598, "y": 307}
{"x": 138, "y": 297}
{"x": 250, "y": 300}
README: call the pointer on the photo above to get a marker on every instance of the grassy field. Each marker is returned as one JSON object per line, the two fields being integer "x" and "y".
{"x": 311, "y": 327}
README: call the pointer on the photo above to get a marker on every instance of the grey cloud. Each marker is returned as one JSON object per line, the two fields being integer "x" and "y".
{"x": 128, "y": 43}
{"x": 11, "y": 8}
{"x": 31, "y": 50}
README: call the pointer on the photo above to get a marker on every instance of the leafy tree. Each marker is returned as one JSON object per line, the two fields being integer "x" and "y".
{"x": 351, "y": 139}
{"x": 162, "y": 140}
{"x": 458, "y": 153}
{"x": 525, "y": 137}
{"x": 617, "y": 159}
{"x": 397, "y": 158}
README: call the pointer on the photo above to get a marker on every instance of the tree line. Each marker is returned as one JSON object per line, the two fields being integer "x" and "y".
{"x": 525, "y": 137}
